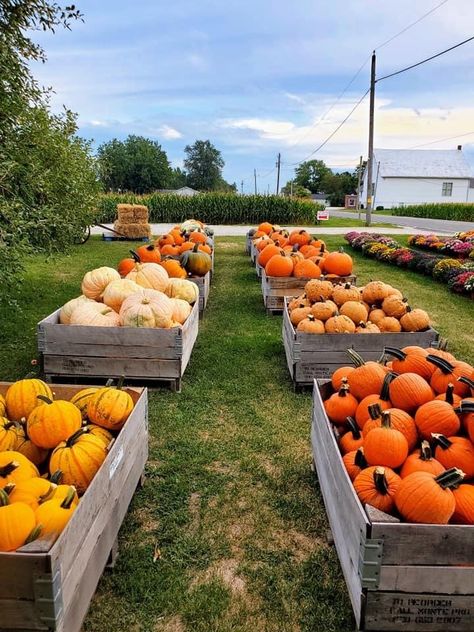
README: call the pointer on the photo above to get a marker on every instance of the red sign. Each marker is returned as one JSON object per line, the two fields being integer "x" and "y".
{"x": 322, "y": 215}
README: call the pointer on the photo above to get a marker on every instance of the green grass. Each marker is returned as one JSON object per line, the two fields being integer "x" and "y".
{"x": 229, "y": 498}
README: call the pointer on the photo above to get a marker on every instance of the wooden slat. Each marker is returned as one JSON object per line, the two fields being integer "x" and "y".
{"x": 346, "y": 517}
{"x": 103, "y": 367}
{"x": 189, "y": 338}
{"x": 419, "y": 612}
{"x": 449, "y": 579}
{"x": 19, "y": 616}
{"x": 16, "y": 575}
{"x": 432, "y": 545}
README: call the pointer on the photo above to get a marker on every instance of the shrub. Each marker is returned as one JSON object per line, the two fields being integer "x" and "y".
{"x": 213, "y": 208}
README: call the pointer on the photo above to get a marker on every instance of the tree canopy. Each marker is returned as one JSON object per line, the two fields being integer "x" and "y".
{"x": 314, "y": 176}
{"x": 310, "y": 175}
{"x": 203, "y": 164}
{"x": 136, "y": 164}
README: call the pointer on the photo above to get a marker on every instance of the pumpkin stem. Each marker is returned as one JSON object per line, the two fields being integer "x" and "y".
{"x": 375, "y": 412}
{"x": 356, "y": 358}
{"x": 344, "y": 390}
{"x": 441, "y": 440}
{"x": 466, "y": 380}
{"x": 396, "y": 353}
{"x": 9, "y": 488}
{"x": 69, "y": 497}
{"x": 353, "y": 427}
{"x": 442, "y": 364}
{"x": 386, "y": 419}
{"x": 49, "y": 494}
{"x": 384, "y": 391}
{"x": 466, "y": 406}
{"x": 74, "y": 437}
{"x": 34, "y": 533}
{"x": 425, "y": 451}
{"x": 450, "y": 478}
{"x": 135, "y": 256}
{"x": 7, "y": 469}
{"x": 120, "y": 382}
{"x": 44, "y": 399}
{"x": 380, "y": 481}
{"x": 360, "y": 459}
{"x": 4, "y": 500}
{"x": 56, "y": 477}
{"x": 442, "y": 344}
{"x": 449, "y": 397}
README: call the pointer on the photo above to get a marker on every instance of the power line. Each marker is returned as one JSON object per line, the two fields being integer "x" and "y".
{"x": 440, "y": 140}
{"x": 424, "y": 61}
{"x": 292, "y": 164}
{"x": 407, "y": 28}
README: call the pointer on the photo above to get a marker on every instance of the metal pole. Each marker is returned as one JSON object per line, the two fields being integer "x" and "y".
{"x": 370, "y": 158}
{"x": 358, "y": 185}
{"x": 291, "y": 189}
{"x": 255, "y": 179}
{"x": 278, "y": 173}
{"x": 242, "y": 187}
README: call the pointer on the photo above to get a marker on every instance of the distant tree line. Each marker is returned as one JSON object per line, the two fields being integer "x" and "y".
{"x": 140, "y": 165}
{"x": 314, "y": 176}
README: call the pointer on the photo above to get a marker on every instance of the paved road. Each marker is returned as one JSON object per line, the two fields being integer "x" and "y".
{"x": 421, "y": 224}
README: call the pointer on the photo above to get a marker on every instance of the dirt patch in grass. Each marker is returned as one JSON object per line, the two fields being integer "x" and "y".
{"x": 226, "y": 571}
{"x": 175, "y": 624}
{"x": 194, "y": 507}
{"x": 300, "y": 546}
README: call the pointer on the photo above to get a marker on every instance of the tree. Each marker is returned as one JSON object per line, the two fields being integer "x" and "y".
{"x": 310, "y": 175}
{"x": 136, "y": 164}
{"x": 296, "y": 190}
{"x": 177, "y": 178}
{"x": 338, "y": 185}
{"x": 204, "y": 165}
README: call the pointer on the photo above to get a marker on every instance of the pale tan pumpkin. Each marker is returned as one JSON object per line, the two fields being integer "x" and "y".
{"x": 298, "y": 314}
{"x": 150, "y": 275}
{"x": 324, "y": 310}
{"x": 340, "y": 325}
{"x": 415, "y": 320}
{"x": 315, "y": 289}
{"x": 344, "y": 293}
{"x": 299, "y": 301}
{"x": 95, "y": 282}
{"x": 374, "y": 292}
{"x": 70, "y": 306}
{"x": 183, "y": 289}
{"x": 367, "y": 328}
{"x": 147, "y": 308}
{"x": 354, "y": 310}
{"x": 311, "y": 325}
{"x": 394, "y": 306}
{"x": 389, "y": 324}
{"x": 95, "y": 315}
{"x": 376, "y": 315}
{"x": 181, "y": 310}
{"x": 117, "y": 291}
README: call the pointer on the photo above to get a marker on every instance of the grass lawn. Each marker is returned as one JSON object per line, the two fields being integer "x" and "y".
{"x": 229, "y": 500}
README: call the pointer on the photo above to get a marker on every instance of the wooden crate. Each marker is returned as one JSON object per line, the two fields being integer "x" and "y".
{"x": 276, "y": 289}
{"x": 72, "y": 352}
{"x": 253, "y": 252}
{"x": 248, "y": 243}
{"x": 259, "y": 269}
{"x": 416, "y": 578}
{"x": 204, "y": 285}
{"x": 49, "y": 587}
{"x": 317, "y": 356}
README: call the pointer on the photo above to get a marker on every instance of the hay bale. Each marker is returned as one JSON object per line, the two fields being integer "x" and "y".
{"x": 133, "y": 230}
{"x": 140, "y": 213}
{"x": 125, "y": 213}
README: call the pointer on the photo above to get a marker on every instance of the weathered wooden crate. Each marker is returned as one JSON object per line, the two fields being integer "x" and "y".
{"x": 276, "y": 289}
{"x": 259, "y": 269}
{"x": 317, "y": 356}
{"x": 417, "y": 578}
{"x": 204, "y": 285}
{"x": 49, "y": 587}
{"x": 253, "y": 252}
{"x": 75, "y": 352}
{"x": 248, "y": 243}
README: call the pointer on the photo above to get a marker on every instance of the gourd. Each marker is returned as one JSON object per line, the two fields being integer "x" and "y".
{"x": 377, "y": 486}
{"x": 354, "y": 462}
{"x": 367, "y": 378}
{"x": 95, "y": 282}
{"x": 17, "y": 521}
{"x": 344, "y": 293}
{"x": 382, "y": 399}
{"x": 8, "y": 434}
{"x": 110, "y": 407}
{"x": 81, "y": 399}
{"x": 415, "y": 320}
{"x": 464, "y": 509}
{"x": 53, "y": 515}
{"x": 317, "y": 290}
{"x": 375, "y": 291}
{"x": 94, "y": 315}
{"x": 280, "y": 265}
{"x": 147, "y": 308}
{"x": 457, "y": 452}
{"x": 32, "y": 491}
{"x": 385, "y": 445}
{"x": 438, "y": 417}
{"x": 421, "y": 461}
{"x": 409, "y": 391}
{"x": 354, "y": 310}
{"x": 68, "y": 308}
{"x": 181, "y": 310}
{"x": 324, "y": 310}
{"x": 117, "y": 291}
{"x": 340, "y": 325}
{"x": 196, "y": 262}
{"x": 339, "y": 263}
{"x": 22, "y": 397}
{"x": 298, "y": 314}
{"x": 352, "y": 439}
{"x": 149, "y": 275}
{"x": 311, "y": 325}
{"x": 341, "y": 405}
{"x": 14, "y": 468}
{"x": 183, "y": 289}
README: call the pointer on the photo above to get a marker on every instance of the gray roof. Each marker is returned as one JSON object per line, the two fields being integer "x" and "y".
{"x": 426, "y": 163}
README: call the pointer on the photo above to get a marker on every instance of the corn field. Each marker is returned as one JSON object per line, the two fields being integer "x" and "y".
{"x": 213, "y": 208}
{"x": 456, "y": 212}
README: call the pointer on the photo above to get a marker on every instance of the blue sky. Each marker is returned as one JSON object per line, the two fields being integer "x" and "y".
{"x": 259, "y": 77}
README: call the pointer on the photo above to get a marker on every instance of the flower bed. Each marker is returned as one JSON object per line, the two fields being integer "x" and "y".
{"x": 459, "y": 245}
{"x": 457, "y": 274}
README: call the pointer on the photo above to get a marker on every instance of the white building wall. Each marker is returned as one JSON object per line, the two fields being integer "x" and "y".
{"x": 392, "y": 192}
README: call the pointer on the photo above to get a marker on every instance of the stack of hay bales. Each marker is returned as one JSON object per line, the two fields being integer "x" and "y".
{"x": 132, "y": 221}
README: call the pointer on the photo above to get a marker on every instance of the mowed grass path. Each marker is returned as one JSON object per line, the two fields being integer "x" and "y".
{"x": 230, "y": 507}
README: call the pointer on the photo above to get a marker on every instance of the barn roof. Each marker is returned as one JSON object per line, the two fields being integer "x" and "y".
{"x": 426, "y": 163}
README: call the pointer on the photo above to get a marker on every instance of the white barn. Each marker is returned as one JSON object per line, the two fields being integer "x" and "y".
{"x": 417, "y": 176}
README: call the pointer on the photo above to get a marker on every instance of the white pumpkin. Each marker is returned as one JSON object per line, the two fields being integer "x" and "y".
{"x": 117, "y": 291}
{"x": 184, "y": 289}
{"x": 149, "y": 275}
{"x": 68, "y": 308}
{"x": 147, "y": 308}
{"x": 95, "y": 282}
{"x": 94, "y": 315}
{"x": 181, "y": 310}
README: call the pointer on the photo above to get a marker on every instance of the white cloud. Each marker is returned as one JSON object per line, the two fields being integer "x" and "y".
{"x": 96, "y": 123}
{"x": 267, "y": 128}
{"x": 169, "y": 132}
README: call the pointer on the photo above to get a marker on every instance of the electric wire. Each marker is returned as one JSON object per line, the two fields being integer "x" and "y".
{"x": 440, "y": 140}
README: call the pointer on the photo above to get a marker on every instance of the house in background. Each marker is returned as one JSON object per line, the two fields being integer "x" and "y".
{"x": 402, "y": 177}
{"x": 320, "y": 198}
{"x": 186, "y": 191}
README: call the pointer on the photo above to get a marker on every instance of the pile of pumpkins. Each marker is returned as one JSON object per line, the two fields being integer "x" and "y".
{"x": 146, "y": 297}
{"x": 50, "y": 450}
{"x": 406, "y": 433}
{"x": 185, "y": 251}
{"x": 298, "y": 254}
{"x": 344, "y": 308}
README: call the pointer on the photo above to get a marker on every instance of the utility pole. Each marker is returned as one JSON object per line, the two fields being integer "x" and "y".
{"x": 291, "y": 189}
{"x": 255, "y": 180}
{"x": 358, "y": 185}
{"x": 278, "y": 164}
{"x": 370, "y": 158}
{"x": 242, "y": 187}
